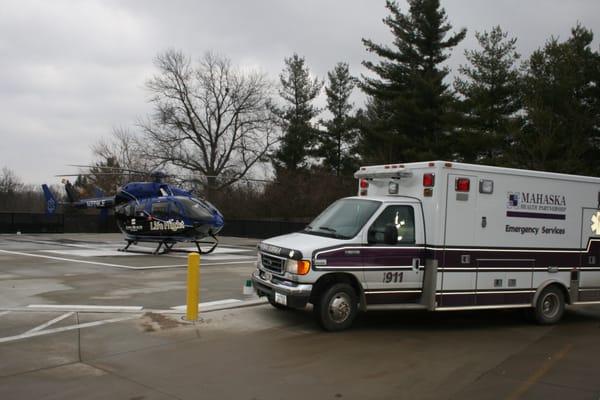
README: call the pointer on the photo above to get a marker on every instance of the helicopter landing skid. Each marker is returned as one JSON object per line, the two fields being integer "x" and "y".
{"x": 168, "y": 247}
{"x": 213, "y": 246}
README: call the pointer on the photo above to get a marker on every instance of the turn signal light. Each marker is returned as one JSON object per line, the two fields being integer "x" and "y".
{"x": 303, "y": 267}
{"x": 462, "y": 184}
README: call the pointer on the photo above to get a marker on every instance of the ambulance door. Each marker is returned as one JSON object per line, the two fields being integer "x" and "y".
{"x": 459, "y": 269}
{"x": 394, "y": 272}
{"x": 589, "y": 274}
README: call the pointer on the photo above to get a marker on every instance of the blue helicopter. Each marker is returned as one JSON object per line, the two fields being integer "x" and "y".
{"x": 153, "y": 212}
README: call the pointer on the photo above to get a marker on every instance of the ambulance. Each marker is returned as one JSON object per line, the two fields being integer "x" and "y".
{"x": 442, "y": 236}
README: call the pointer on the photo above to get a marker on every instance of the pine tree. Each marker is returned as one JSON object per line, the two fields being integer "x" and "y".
{"x": 409, "y": 96}
{"x": 298, "y": 90}
{"x": 490, "y": 89}
{"x": 337, "y": 142}
{"x": 562, "y": 107}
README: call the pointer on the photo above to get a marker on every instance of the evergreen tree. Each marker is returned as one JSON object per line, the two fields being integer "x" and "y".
{"x": 298, "y": 90}
{"x": 490, "y": 89}
{"x": 562, "y": 105}
{"x": 409, "y": 97}
{"x": 337, "y": 142}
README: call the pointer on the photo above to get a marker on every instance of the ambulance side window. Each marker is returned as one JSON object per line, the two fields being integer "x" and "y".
{"x": 402, "y": 217}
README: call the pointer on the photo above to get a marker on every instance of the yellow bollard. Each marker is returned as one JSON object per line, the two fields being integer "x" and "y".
{"x": 193, "y": 284}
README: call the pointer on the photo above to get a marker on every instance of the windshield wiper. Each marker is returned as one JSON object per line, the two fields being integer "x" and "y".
{"x": 326, "y": 228}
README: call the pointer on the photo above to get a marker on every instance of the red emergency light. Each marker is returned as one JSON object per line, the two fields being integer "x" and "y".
{"x": 364, "y": 184}
{"x": 428, "y": 180}
{"x": 462, "y": 184}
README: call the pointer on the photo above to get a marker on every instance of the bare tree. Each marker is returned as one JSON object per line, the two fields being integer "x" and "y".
{"x": 209, "y": 119}
{"x": 9, "y": 182}
{"x": 117, "y": 157}
{"x": 124, "y": 147}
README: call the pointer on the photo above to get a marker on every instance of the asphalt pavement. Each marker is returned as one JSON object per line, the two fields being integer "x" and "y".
{"x": 77, "y": 325}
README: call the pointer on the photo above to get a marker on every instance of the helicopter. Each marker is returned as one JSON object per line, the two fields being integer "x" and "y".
{"x": 155, "y": 212}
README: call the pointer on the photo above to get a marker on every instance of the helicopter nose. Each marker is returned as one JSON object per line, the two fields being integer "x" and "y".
{"x": 218, "y": 220}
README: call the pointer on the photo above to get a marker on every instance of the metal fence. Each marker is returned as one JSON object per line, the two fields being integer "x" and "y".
{"x": 67, "y": 223}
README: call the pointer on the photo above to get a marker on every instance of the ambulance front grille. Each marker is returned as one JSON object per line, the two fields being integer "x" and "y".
{"x": 272, "y": 264}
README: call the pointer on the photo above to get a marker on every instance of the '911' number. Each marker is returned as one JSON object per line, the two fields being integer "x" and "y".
{"x": 392, "y": 277}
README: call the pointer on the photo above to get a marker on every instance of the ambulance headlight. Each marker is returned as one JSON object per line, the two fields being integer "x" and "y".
{"x": 298, "y": 267}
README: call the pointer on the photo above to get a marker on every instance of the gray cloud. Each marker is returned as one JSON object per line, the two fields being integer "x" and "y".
{"x": 70, "y": 71}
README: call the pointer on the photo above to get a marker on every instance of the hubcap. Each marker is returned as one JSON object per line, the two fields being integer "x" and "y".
{"x": 339, "y": 307}
{"x": 550, "y": 305}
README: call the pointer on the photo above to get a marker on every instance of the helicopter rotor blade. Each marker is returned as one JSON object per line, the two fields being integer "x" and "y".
{"x": 108, "y": 167}
{"x": 98, "y": 174}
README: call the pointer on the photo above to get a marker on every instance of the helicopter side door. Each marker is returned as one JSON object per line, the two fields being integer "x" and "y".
{"x": 167, "y": 218}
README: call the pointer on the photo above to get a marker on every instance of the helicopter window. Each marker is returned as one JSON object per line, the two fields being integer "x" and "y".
{"x": 195, "y": 209}
{"x": 140, "y": 209}
{"x": 177, "y": 211}
{"x": 160, "y": 210}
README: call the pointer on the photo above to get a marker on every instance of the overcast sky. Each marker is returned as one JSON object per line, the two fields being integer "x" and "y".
{"x": 71, "y": 71}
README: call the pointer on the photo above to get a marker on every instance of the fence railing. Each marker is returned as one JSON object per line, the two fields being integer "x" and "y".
{"x": 67, "y": 223}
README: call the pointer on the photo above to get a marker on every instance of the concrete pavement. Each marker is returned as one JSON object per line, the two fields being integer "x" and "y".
{"x": 262, "y": 353}
{"x": 114, "y": 331}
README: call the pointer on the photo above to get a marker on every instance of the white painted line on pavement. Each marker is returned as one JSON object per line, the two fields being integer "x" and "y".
{"x": 4, "y": 313}
{"x": 66, "y": 328}
{"x": 209, "y": 304}
{"x": 232, "y": 262}
{"x": 89, "y": 253}
{"x": 80, "y": 307}
{"x": 19, "y": 253}
{"x": 51, "y": 322}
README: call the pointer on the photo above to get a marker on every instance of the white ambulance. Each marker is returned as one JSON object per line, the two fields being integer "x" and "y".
{"x": 442, "y": 236}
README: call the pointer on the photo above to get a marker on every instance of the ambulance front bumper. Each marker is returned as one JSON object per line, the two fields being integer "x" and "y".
{"x": 284, "y": 292}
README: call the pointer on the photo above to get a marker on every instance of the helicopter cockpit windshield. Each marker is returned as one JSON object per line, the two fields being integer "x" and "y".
{"x": 195, "y": 209}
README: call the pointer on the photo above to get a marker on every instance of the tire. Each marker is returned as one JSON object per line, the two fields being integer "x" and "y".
{"x": 277, "y": 305}
{"x": 336, "y": 308}
{"x": 550, "y": 306}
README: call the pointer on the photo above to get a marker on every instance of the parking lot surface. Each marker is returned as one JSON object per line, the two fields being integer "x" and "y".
{"x": 80, "y": 321}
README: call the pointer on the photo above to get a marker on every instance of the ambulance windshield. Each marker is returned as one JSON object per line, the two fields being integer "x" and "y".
{"x": 343, "y": 219}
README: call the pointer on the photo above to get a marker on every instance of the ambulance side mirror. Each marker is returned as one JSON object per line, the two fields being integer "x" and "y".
{"x": 390, "y": 235}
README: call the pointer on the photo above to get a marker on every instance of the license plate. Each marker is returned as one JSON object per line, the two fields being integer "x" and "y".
{"x": 281, "y": 298}
{"x": 268, "y": 276}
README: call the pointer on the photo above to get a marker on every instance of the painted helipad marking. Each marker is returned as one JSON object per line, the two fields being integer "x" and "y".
{"x": 221, "y": 257}
{"x": 51, "y": 322}
{"x": 65, "y": 328}
{"x": 90, "y": 253}
{"x": 4, "y": 313}
{"x": 209, "y": 304}
{"x": 113, "y": 253}
{"x": 81, "y": 307}
{"x": 102, "y": 264}
{"x": 20, "y": 253}
{"x": 222, "y": 250}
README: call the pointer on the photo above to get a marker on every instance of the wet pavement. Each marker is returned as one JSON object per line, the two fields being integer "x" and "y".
{"x": 143, "y": 349}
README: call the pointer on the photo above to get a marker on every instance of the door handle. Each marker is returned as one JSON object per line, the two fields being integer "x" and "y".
{"x": 352, "y": 252}
{"x": 416, "y": 263}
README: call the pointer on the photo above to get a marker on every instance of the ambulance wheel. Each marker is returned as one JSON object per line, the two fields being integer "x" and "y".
{"x": 277, "y": 305}
{"x": 336, "y": 308}
{"x": 550, "y": 306}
